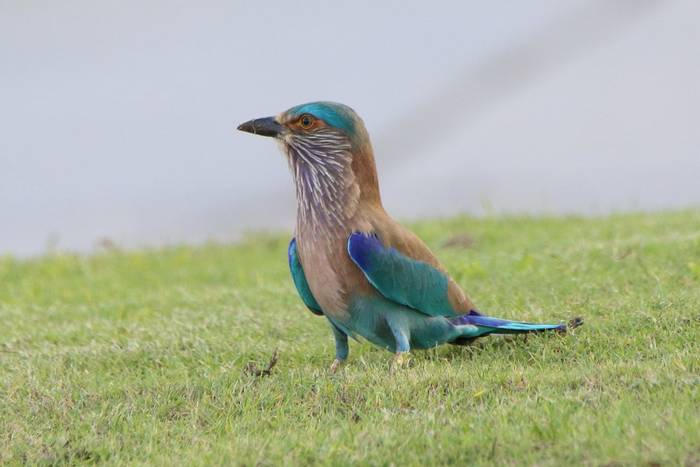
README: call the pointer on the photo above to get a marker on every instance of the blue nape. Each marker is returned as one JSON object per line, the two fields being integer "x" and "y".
{"x": 335, "y": 115}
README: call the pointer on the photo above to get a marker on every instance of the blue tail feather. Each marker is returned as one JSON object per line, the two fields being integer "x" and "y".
{"x": 503, "y": 326}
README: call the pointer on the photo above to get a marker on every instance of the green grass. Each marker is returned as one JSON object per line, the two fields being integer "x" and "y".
{"x": 139, "y": 357}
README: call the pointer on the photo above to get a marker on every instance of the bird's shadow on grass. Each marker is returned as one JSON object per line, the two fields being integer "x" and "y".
{"x": 491, "y": 344}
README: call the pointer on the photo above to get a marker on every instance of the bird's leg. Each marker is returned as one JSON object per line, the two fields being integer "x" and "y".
{"x": 341, "y": 348}
{"x": 402, "y": 347}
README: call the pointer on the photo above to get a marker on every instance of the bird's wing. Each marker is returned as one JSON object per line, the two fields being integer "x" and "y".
{"x": 406, "y": 279}
{"x": 300, "y": 279}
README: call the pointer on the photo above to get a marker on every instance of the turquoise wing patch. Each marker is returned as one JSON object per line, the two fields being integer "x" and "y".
{"x": 401, "y": 279}
{"x": 300, "y": 279}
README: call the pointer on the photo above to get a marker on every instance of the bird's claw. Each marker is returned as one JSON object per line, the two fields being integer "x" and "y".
{"x": 337, "y": 363}
{"x": 401, "y": 359}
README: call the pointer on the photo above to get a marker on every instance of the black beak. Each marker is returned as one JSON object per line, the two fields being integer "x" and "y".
{"x": 262, "y": 126}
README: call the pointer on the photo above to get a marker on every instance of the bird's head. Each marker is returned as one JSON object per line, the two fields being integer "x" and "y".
{"x": 329, "y": 152}
{"x": 316, "y": 125}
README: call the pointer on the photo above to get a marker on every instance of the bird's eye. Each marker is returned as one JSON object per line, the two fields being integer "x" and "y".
{"x": 306, "y": 121}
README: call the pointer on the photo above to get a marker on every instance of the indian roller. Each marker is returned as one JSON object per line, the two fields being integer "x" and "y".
{"x": 349, "y": 260}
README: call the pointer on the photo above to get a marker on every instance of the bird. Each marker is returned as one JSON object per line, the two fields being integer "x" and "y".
{"x": 350, "y": 261}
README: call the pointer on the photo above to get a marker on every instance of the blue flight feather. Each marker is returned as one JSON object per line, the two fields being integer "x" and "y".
{"x": 399, "y": 278}
{"x": 424, "y": 288}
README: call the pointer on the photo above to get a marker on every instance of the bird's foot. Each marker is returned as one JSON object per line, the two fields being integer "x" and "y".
{"x": 401, "y": 359}
{"x": 335, "y": 366}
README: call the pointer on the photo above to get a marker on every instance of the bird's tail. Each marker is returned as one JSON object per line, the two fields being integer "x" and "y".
{"x": 477, "y": 325}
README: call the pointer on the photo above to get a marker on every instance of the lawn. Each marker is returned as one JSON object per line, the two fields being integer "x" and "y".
{"x": 144, "y": 357}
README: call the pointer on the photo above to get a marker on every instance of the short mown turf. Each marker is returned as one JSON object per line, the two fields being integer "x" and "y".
{"x": 145, "y": 357}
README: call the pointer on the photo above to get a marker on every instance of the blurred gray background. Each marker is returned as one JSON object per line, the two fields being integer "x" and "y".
{"x": 117, "y": 119}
